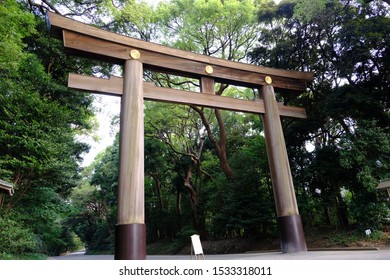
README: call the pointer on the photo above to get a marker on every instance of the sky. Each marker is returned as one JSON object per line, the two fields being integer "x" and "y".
{"x": 106, "y": 108}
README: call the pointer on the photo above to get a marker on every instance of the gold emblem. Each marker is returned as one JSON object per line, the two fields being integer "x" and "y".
{"x": 209, "y": 69}
{"x": 134, "y": 54}
{"x": 268, "y": 80}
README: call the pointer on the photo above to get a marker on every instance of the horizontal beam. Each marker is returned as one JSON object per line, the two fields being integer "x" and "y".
{"x": 384, "y": 184}
{"x": 115, "y": 48}
{"x": 82, "y": 45}
{"x": 114, "y": 86}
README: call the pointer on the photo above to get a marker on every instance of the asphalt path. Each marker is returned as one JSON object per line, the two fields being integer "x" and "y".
{"x": 339, "y": 254}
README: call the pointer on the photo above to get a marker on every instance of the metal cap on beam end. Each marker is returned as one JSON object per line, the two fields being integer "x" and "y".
{"x": 209, "y": 69}
{"x": 268, "y": 80}
{"x": 135, "y": 54}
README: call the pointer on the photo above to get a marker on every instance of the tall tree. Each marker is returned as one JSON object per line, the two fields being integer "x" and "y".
{"x": 182, "y": 135}
{"x": 38, "y": 126}
{"x": 225, "y": 29}
{"x": 345, "y": 44}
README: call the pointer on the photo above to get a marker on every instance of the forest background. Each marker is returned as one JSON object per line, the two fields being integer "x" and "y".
{"x": 206, "y": 170}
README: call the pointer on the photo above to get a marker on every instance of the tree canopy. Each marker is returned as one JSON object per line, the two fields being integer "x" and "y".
{"x": 39, "y": 121}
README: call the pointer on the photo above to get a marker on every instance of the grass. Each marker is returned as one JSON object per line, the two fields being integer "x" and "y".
{"x": 347, "y": 238}
{"x": 5, "y": 256}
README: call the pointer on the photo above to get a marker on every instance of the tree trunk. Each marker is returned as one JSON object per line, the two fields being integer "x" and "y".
{"x": 193, "y": 197}
{"x": 179, "y": 211}
{"x": 158, "y": 189}
{"x": 218, "y": 145}
{"x": 327, "y": 215}
{"x": 221, "y": 151}
{"x": 342, "y": 212}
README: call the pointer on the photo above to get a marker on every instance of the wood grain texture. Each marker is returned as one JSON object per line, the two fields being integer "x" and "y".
{"x": 207, "y": 85}
{"x": 114, "y": 47}
{"x": 81, "y": 45}
{"x": 131, "y": 145}
{"x": 283, "y": 187}
{"x": 114, "y": 86}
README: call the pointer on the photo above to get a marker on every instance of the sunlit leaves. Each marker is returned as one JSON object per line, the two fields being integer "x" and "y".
{"x": 225, "y": 29}
{"x": 15, "y": 25}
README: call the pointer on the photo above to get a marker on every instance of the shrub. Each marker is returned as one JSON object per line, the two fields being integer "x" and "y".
{"x": 16, "y": 239}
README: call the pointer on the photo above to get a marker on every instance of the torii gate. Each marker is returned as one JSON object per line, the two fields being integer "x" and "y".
{"x": 136, "y": 55}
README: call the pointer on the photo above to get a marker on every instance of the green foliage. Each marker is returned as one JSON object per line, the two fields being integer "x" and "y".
{"x": 137, "y": 19}
{"x": 16, "y": 238}
{"x": 15, "y": 26}
{"x": 47, "y": 211}
{"x": 372, "y": 215}
{"x": 307, "y": 10}
{"x": 94, "y": 202}
{"x": 346, "y": 238}
{"x": 225, "y": 29}
{"x": 346, "y": 46}
{"x": 34, "y": 256}
{"x": 39, "y": 122}
{"x": 245, "y": 206}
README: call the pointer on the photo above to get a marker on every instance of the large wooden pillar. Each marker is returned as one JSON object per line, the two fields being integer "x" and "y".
{"x": 290, "y": 227}
{"x": 130, "y": 232}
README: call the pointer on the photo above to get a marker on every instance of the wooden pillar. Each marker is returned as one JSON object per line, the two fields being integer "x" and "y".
{"x": 207, "y": 85}
{"x": 291, "y": 234}
{"x": 130, "y": 232}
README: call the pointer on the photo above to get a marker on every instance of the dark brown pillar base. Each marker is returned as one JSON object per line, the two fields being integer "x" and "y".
{"x": 130, "y": 242}
{"x": 292, "y": 238}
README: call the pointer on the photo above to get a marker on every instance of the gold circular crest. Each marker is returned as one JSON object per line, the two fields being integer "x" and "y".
{"x": 268, "y": 80}
{"x": 134, "y": 54}
{"x": 209, "y": 69}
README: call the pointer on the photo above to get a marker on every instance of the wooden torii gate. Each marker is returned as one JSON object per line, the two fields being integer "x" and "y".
{"x": 136, "y": 55}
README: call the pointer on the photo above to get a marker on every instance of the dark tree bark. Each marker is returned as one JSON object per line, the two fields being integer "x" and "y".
{"x": 218, "y": 144}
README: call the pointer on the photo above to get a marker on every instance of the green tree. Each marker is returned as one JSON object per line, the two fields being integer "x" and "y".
{"x": 38, "y": 128}
{"x": 346, "y": 45}
{"x": 247, "y": 209}
{"x": 225, "y": 29}
{"x": 15, "y": 26}
{"x": 94, "y": 202}
{"x": 182, "y": 134}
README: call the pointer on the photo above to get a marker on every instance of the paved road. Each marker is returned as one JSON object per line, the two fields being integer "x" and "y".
{"x": 311, "y": 255}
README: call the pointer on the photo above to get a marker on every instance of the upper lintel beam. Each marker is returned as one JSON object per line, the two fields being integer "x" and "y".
{"x": 224, "y": 71}
{"x": 83, "y": 45}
